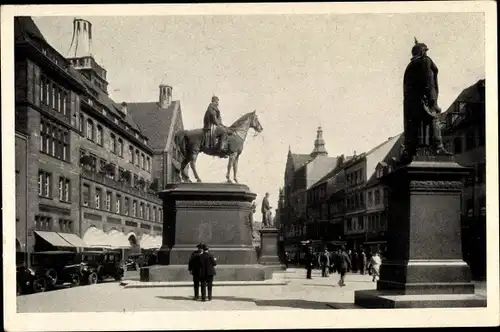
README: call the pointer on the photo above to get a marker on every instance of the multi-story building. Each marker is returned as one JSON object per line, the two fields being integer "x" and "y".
{"x": 464, "y": 134}
{"x": 362, "y": 220}
{"x": 160, "y": 121}
{"x": 82, "y": 179}
{"x": 325, "y": 206}
{"x": 301, "y": 172}
{"x": 47, "y": 172}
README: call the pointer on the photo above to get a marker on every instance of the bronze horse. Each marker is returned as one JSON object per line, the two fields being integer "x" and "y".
{"x": 191, "y": 142}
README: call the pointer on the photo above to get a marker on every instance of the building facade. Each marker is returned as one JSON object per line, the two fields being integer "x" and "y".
{"x": 464, "y": 134}
{"x": 82, "y": 179}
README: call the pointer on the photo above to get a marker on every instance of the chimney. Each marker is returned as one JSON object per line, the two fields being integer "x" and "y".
{"x": 81, "y": 45}
{"x": 165, "y": 95}
{"x": 124, "y": 108}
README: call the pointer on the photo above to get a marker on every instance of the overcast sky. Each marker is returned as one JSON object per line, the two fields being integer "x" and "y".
{"x": 343, "y": 72}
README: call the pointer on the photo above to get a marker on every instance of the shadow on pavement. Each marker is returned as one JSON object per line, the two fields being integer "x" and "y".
{"x": 288, "y": 303}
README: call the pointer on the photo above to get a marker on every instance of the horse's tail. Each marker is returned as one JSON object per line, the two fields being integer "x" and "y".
{"x": 180, "y": 142}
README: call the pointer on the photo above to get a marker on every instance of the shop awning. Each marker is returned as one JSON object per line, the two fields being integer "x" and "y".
{"x": 95, "y": 238}
{"x": 74, "y": 239}
{"x": 118, "y": 240}
{"x": 150, "y": 242}
{"x": 54, "y": 239}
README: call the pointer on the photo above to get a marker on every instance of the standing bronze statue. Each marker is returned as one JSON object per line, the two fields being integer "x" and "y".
{"x": 214, "y": 129}
{"x": 266, "y": 211}
{"x": 422, "y": 132}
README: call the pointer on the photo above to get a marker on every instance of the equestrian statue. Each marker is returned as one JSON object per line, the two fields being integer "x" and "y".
{"x": 215, "y": 139}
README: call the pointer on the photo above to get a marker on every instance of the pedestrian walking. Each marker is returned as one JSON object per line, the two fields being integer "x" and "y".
{"x": 207, "y": 273}
{"x": 194, "y": 269}
{"x": 309, "y": 262}
{"x": 324, "y": 262}
{"x": 344, "y": 265}
{"x": 362, "y": 262}
{"x": 375, "y": 264}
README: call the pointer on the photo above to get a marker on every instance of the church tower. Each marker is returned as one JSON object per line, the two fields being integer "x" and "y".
{"x": 319, "y": 145}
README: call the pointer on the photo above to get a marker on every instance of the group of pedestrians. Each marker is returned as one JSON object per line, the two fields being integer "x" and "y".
{"x": 342, "y": 261}
{"x": 202, "y": 267}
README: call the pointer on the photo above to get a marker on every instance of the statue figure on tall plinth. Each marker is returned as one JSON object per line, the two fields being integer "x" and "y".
{"x": 422, "y": 132}
{"x": 231, "y": 140}
{"x": 266, "y": 212}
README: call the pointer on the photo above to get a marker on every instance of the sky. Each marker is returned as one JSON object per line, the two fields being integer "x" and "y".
{"x": 340, "y": 71}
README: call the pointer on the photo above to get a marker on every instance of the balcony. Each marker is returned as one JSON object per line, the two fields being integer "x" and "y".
{"x": 119, "y": 186}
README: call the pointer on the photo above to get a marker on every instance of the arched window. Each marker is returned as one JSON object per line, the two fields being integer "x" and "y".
{"x": 90, "y": 130}
{"x": 131, "y": 154}
{"x": 112, "y": 142}
{"x": 98, "y": 137}
{"x": 119, "y": 147}
{"x": 137, "y": 157}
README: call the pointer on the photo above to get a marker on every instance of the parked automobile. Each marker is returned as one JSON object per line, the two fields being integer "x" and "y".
{"x": 102, "y": 264}
{"x": 58, "y": 267}
{"x": 28, "y": 281}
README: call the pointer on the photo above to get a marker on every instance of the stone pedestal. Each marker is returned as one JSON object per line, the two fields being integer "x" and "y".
{"x": 212, "y": 213}
{"x": 424, "y": 259}
{"x": 269, "y": 247}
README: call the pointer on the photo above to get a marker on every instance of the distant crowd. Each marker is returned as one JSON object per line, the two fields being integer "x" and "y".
{"x": 341, "y": 261}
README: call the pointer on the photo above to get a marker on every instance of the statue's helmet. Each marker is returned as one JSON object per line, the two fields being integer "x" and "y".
{"x": 215, "y": 98}
{"x": 419, "y": 48}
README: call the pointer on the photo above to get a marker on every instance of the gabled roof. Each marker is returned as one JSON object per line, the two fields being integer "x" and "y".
{"x": 24, "y": 25}
{"x": 155, "y": 122}
{"x": 470, "y": 94}
{"x": 300, "y": 160}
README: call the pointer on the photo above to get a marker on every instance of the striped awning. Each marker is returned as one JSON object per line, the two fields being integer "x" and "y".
{"x": 118, "y": 240}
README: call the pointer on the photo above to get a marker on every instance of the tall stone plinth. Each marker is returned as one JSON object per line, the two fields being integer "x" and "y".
{"x": 211, "y": 213}
{"x": 424, "y": 266}
{"x": 269, "y": 247}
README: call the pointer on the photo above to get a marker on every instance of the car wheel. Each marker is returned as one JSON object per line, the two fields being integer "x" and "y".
{"x": 92, "y": 278}
{"x": 52, "y": 276}
{"x": 75, "y": 280}
{"x": 39, "y": 285}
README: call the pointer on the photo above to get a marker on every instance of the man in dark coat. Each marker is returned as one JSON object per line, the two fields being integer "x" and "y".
{"x": 420, "y": 103}
{"x": 207, "y": 273}
{"x": 309, "y": 260}
{"x": 212, "y": 122}
{"x": 194, "y": 269}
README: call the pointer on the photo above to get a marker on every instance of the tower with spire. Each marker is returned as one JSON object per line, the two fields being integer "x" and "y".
{"x": 319, "y": 145}
{"x": 80, "y": 55}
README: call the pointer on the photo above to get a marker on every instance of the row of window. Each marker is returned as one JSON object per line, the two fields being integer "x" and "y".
{"x": 354, "y": 200}
{"x": 45, "y": 187}
{"x": 53, "y": 96}
{"x": 114, "y": 202}
{"x": 97, "y": 164}
{"x": 376, "y": 196}
{"x": 354, "y": 178}
{"x": 95, "y": 134}
{"x": 54, "y": 140}
{"x": 45, "y": 223}
{"x": 463, "y": 143}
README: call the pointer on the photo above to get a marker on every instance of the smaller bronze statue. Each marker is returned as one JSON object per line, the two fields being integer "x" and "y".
{"x": 266, "y": 211}
{"x": 422, "y": 132}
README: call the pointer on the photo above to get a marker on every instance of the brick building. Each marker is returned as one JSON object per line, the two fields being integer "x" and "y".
{"x": 88, "y": 164}
{"x": 464, "y": 134}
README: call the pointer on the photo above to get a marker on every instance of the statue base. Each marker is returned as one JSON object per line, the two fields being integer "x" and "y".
{"x": 424, "y": 266}
{"x": 269, "y": 247}
{"x": 216, "y": 214}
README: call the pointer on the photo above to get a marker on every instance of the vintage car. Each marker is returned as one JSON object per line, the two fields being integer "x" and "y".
{"x": 28, "y": 281}
{"x": 58, "y": 267}
{"x": 102, "y": 265}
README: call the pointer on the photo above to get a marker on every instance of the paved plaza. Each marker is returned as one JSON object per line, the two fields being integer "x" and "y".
{"x": 298, "y": 293}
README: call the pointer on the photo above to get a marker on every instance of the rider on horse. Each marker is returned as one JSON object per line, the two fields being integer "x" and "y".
{"x": 212, "y": 124}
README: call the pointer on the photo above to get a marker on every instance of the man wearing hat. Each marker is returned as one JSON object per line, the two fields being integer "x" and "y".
{"x": 420, "y": 100}
{"x": 212, "y": 123}
{"x": 194, "y": 269}
{"x": 207, "y": 273}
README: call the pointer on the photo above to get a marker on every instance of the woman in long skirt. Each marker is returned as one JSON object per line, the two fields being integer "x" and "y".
{"x": 375, "y": 263}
